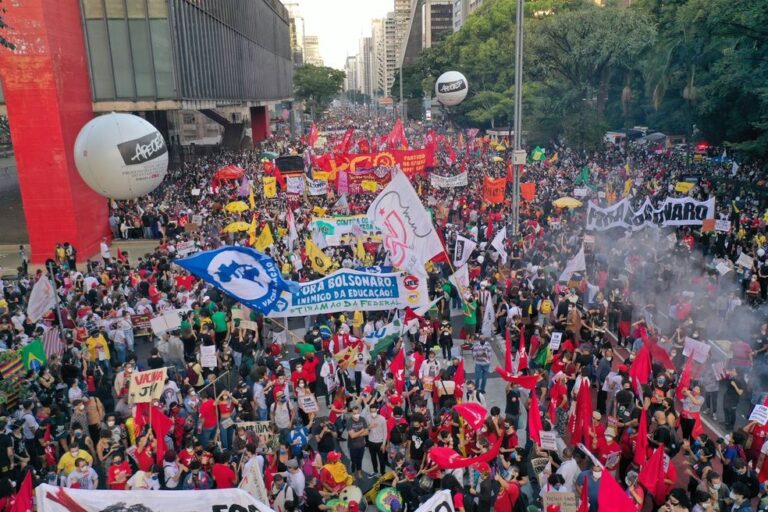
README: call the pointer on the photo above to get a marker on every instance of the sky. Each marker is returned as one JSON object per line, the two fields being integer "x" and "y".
{"x": 339, "y": 24}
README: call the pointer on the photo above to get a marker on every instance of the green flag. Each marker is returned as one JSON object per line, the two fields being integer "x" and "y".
{"x": 584, "y": 178}
{"x": 33, "y": 355}
{"x": 385, "y": 337}
{"x": 538, "y": 154}
{"x": 304, "y": 348}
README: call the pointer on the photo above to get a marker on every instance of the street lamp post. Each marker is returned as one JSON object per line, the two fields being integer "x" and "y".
{"x": 519, "y": 153}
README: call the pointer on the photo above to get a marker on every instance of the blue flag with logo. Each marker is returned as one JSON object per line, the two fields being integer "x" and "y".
{"x": 252, "y": 278}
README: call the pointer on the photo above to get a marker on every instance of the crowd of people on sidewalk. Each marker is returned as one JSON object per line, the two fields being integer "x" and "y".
{"x": 622, "y": 331}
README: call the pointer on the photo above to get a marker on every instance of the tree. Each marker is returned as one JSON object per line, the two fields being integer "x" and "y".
{"x": 317, "y": 86}
{"x": 3, "y": 27}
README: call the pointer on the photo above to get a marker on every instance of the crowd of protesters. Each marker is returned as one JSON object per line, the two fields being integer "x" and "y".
{"x": 74, "y": 425}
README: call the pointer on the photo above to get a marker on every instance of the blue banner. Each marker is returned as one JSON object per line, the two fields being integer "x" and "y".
{"x": 250, "y": 277}
{"x": 378, "y": 269}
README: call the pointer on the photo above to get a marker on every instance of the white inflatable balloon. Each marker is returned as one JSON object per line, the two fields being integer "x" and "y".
{"x": 760, "y": 253}
{"x": 121, "y": 156}
{"x": 451, "y": 88}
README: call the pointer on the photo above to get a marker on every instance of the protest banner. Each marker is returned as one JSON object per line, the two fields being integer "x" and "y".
{"x": 360, "y": 181}
{"x": 410, "y": 161}
{"x": 548, "y": 440}
{"x": 295, "y": 185}
{"x": 580, "y": 192}
{"x": 142, "y": 324}
{"x": 146, "y": 386}
{"x": 208, "y": 356}
{"x": 261, "y": 429}
{"x": 441, "y": 501}
{"x": 184, "y": 249}
{"x": 745, "y": 261}
{"x": 722, "y": 225}
{"x": 554, "y": 341}
{"x": 253, "y": 483}
{"x": 317, "y": 187}
{"x": 493, "y": 189}
{"x": 759, "y": 414}
{"x": 197, "y": 219}
{"x": 460, "y": 180}
{"x": 682, "y": 211}
{"x": 334, "y": 228}
{"x": 308, "y": 403}
{"x": 563, "y": 501}
{"x": 348, "y": 290}
{"x": 698, "y": 349}
{"x": 50, "y": 498}
{"x": 167, "y": 321}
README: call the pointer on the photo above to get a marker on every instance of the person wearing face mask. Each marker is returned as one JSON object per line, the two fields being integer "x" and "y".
{"x": 357, "y": 429}
{"x": 482, "y": 354}
{"x": 118, "y": 473}
{"x": 67, "y": 462}
{"x": 604, "y": 368}
{"x": 591, "y": 478}
{"x": 739, "y": 497}
{"x": 377, "y": 439}
{"x": 747, "y": 477}
{"x": 83, "y": 477}
{"x": 197, "y": 479}
{"x": 692, "y": 403}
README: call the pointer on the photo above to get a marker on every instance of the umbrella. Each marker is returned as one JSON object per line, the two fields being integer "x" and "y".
{"x": 229, "y": 172}
{"x": 269, "y": 155}
{"x": 236, "y": 207}
{"x": 498, "y": 159}
{"x": 237, "y": 226}
{"x": 567, "y": 202}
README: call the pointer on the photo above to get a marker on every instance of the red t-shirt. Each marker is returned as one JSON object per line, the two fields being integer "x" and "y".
{"x": 505, "y": 501}
{"x": 208, "y": 413}
{"x": 224, "y": 476}
{"x": 185, "y": 281}
{"x": 336, "y": 404}
{"x": 144, "y": 459}
{"x": 114, "y": 470}
{"x": 186, "y": 457}
{"x": 310, "y": 369}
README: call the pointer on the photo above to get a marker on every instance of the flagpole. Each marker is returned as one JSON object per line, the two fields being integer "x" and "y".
{"x": 56, "y": 294}
{"x": 519, "y": 153}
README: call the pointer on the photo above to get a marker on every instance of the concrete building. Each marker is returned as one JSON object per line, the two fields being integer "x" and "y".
{"x": 312, "y": 51}
{"x": 461, "y": 11}
{"x": 296, "y": 32}
{"x": 350, "y": 68}
{"x": 403, "y": 14}
{"x": 431, "y": 21}
{"x": 365, "y": 66}
{"x": 384, "y": 34}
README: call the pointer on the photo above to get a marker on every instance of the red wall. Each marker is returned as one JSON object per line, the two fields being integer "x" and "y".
{"x": 259, "y": 123}
{"x": 48, "y": 97}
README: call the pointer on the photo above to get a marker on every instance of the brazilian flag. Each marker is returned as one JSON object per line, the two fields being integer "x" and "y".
{"x": 33, "y": 355}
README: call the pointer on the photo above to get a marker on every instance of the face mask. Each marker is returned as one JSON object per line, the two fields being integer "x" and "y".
{"x": 597, "y": 474}
{"x": 732, "y": 495}
{"x": 243, "y": 437}
{"x": 374, "y": 414}
{"x": 78, "y": 435}
{"x": 716, "y": 486}
{"x": 660, "y": 382}
{"x": 355, "y": 417}
{"x": 609, "y": 359}
{"x": 110, "y": 423}
{"x": 301, "y": 384}
{"x": 283, "y": 399}
{"x": 282, "y": 452}
{"x": 82, "y": 407}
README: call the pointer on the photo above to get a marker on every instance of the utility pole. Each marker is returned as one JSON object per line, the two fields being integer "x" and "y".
{"x": 518, "y": 155}
{"x": 402, "y": 105}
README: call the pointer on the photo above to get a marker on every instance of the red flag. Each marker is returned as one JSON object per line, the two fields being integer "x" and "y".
{"x": 657, "y": 352}
{"x": 685, "y": 379}
{"x": 458, "y": 379}
{"x": 527, "y": 381}
{"x": 534, "y": 419}
{"x": 611, "y": 497}
{"x": 522, "y": 363}
{"x": 641, "y": 441}
{"x": 448, "y": 458}
{"x": 396, "y": 138}
{"x": 364, "y": 146}
{"x": 397, "y": 367}
{"x": 23, "y": 500}
{"x": 160, "y": 423}
{"x": 473, "y": 413}
{"x": 313, "y": 134}
{"x": 581, "y": 425}
{"x": 640, "y": 370}
{"x": 698, "y": 428}
{"x": 346, "y": 142}
{"x": 489, "y": 230}
{"x": 121, "y": 256}
{"x": 652, "y": 475}
{"x": 584, "y": 502}
{"x": 507, "y": 352}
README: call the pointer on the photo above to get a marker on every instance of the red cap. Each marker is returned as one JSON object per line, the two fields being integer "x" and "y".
{"x": 623, "y": 368}
{"x": 482, "y": 467}
{"x": 334, "y": 456}
{"x": 395, "y": 399}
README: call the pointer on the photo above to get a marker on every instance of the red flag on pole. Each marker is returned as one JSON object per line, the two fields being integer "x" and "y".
{"x": 685, "y": 379}
{"x": 527, "y": 381}
{"x": 641, "y": 442}
{"x": 584, "y": 500}
{"x": 534, "y": 419}
{"x": 473, "y": 413}
{"x": 397, "y": 367}
{"x": 611, "y": 497}
{"x": 581, "y": 425}
{"x": 522, "y": 363}
{"x": 459, "y": 379}
{"x": 640, "y": 370}
{"x": 652, "y": 475}
{"x": 507, "y": 352}
{"x": 23, "y": 499}
{"x": 313, "y": 134}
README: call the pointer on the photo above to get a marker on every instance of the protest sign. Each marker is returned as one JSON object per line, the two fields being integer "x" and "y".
{"x": 759, "y": 414}
{"x": 317, "y": 187}
{"x": 580, "y": 192}
{"x": 253, "y": 483}
{"x": 548, "y": 440}
{"x": 142, "y": 325}
{"x": 348, "y": 290}
{"x": 295, "y": 185}
{"x": 184, "y": 249}
{"x": 334, "y": 228}
{"x": 554, "y": 341}
{"x": 197, "y": 219}
{"x": 261, "y": 429}
{"x": 368, "y": 180}
{"x": 167, "y": 321}
{"x": 146, "y": 386}
{"x": 745, "y": 261}
{"x": 564, "y": 501}
{"x": 308, "y": 404}
{"x": 722, "y": 268}
{"x": 680, "y": 211}
{"x": 49, "y": 498}
{"x": 700, "y": 350}
{"x": 493, "y": 189}
{"x": 460, "y": 180}
{"x": 208, "y": 356}
{"x": 195, "y": 192}
{"x": 718, "y": 369}
{"x": 722, "y": 225}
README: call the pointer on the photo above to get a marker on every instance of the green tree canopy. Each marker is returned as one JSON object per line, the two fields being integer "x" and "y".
{"x": 317, "y": 85}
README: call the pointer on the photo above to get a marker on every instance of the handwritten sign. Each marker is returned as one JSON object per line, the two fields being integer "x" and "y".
{"x": 698, "y": 349}
{"x": 555, "y": 340}
{"x": 580, "y": 192}
{"x": 195, "y": 192}
{"x": 142, "y": 324}
{"x": 147, "y": 386}
{"x": 719, "y": 370}
{"x": 548, "y": 440}
{"x": 261, "y": 429}
{"x": 759, "y": 414}
{"x": 208, "y": 356}
{"x": 168, "y": 321}
{"x": 723, "y": 268}
{"x": 185, "y": 248}
{"x": 722, "y": 225}
{"x": 197, "y": 219}
{"x": 565, "y": 501}
{"x": 745, "y": 261}
{"x": 308, "y": 404}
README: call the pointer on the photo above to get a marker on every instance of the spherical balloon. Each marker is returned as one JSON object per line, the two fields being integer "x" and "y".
{"x": 760, "y": 253}
{"x": 451, "y": 88}
{"x": 121, "y": 156}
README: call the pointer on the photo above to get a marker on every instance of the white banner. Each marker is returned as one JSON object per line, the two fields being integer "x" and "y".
{"x": 146, "y": 386}
{"x": 42, "y": 299}
{"x": 221, "y": 500}
{"x": 408, "y": 233}
{"x": 333, "y": 229}
{"x": 317, "y": 187}
{"x": 460, "y": 279}
{"x": 295, "y": 185}
{"x": 441, "y": 501}
{"x": 184, "y": 249}
{"x": 351, "y": 290}
{"x": 208, "y": 356}
{"x": 681, "y": 211}
{"x": 253, "y": 483}
{"x": 437, "y": 181}
{"x": 575, "y": 264}
{"x": 462, "y": 251}
{"x": 498, "y": 244}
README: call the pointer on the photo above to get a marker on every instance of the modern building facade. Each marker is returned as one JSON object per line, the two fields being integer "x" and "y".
{"x": 350, "y": 69}
{"x": 156, "y": 58}
{"x": 431, "y": 21}
{"x": 461, "y": 11}
{"x": 312, "y": 51}
{"x": 296, "y": 32}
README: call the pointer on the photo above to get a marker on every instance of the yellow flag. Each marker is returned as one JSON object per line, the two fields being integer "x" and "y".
{"x": 318, "y": 211}
{"x": 265, "y": 239}
{"x": 369, "y": 185}
{"x": 360, "y": 253}
{"x": 357, "y": 319}
{"x": 683, "y": 186}
{"x": 317, "y": 258}
{"x": 628, "y": 187}
{"x": 320, "y": 175}
{"x": 251, "y": 199}
{"x": 252, "y": 232}
{"x": 270, "y": 186}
